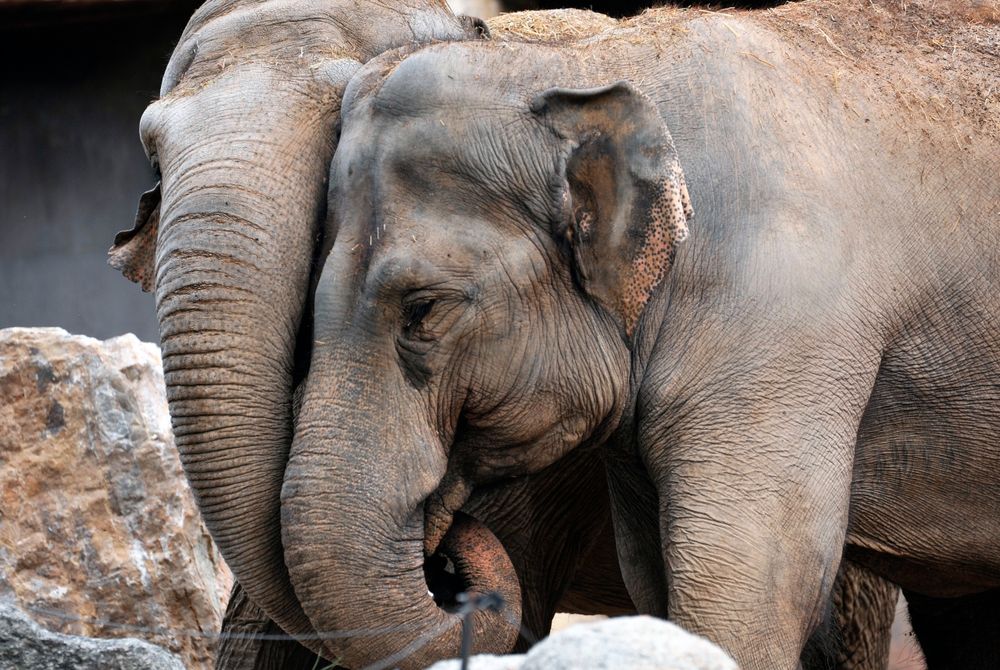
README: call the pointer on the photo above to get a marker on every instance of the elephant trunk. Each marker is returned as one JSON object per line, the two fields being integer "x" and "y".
{"x": 233, "y": 263}
{"x": 362, "y": 467}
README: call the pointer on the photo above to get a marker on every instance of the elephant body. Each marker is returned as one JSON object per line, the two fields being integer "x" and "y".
{"x": 812, "y": 369}
{"x": 232, "y": 241}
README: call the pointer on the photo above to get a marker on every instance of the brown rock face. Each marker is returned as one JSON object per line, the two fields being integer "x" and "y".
{"x": 99, "y": 534}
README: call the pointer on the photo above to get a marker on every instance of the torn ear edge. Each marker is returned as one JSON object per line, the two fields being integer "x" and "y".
{"x": 134, "y": 251}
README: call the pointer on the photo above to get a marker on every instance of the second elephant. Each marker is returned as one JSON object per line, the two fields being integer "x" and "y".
{"x": 813, "y": 368}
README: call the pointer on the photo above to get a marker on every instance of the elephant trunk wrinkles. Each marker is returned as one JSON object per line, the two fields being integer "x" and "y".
{"x": 232, "y": 278}
{"x": 353, "y": 507}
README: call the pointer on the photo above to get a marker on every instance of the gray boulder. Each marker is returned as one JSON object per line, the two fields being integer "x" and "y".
{"x": 638, "y": 643}
{"x": 25, "y": 645}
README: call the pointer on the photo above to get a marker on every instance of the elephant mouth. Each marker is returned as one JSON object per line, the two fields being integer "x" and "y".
{"x": 469, "y": 560}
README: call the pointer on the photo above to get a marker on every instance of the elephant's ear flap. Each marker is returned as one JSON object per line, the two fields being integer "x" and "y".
{"x": 621, "y": 203}
{"x": 134, "y": 251}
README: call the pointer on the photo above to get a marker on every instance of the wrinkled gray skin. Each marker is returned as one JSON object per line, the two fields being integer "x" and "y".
{"x": 556, "y": 527}
{"x": 816, "y": 369}
{"x": 243, "y": 134}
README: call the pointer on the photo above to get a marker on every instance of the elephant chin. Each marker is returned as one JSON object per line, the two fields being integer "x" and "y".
{"x": 471, "y": 560}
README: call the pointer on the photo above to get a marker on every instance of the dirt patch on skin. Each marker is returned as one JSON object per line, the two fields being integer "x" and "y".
{"x": 556, "y": 26}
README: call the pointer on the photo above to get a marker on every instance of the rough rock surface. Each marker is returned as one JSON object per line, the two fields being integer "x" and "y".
{"x": 639, "y": 643}
{"x": 99, "y": 534}
{"x": 25, "y": 645}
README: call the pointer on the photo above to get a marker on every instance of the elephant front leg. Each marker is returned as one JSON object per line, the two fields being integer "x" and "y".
{"x": 753, "y": 513}
{"x": 750, "y": 569}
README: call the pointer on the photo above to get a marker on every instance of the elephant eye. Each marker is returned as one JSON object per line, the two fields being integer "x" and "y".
{"x": 431, "y": 314}
{"x": 415, "y": 314}
{"x": 416, "y": 341}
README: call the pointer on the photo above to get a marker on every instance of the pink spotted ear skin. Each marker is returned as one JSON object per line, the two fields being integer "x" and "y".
{"x": 668, "y": 225}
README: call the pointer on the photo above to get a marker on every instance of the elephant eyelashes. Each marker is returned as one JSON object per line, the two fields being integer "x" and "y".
{"x": 430, "y": 316}
{"x": 415, "y": 314}
{"x": 415, "y": 342}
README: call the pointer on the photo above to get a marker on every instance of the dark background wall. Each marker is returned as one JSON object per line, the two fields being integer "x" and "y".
{"x": 73, "y": 84}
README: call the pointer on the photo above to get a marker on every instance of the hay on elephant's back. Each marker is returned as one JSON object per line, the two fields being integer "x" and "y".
{"x": 553, "y": 25}
{"x": 940, "y": 59}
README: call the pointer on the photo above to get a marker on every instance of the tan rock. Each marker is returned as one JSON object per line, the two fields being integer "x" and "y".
{"x": 99, "y": 534}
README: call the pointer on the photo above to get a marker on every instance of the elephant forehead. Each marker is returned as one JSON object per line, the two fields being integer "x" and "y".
{"x": 456, "y": 75}
{"x": 436, "y": 123}
{"x": 299, "y": 35}
{"x": 441, "y": 165}
{"x": 372, "y": 26}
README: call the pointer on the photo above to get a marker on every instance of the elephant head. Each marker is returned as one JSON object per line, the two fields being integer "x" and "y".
{"x": 243, "y": 134}
{"x": 473, "y": 322}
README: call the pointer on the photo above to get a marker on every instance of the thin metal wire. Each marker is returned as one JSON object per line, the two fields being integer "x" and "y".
{"x": 492, "y": 601}
{"x": 414, "y": 646}
{"x": 489, "y": 601}
{"x": 182, "y": 632}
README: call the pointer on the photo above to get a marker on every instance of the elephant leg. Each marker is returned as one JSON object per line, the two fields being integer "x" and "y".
{"x": 857, "y": 632}
{"x": 864, "y": 607}
{"x": 957, "y": 632}
{"x": 751, "y": 568}
{"x": 247, "y": 641}
{"x": 754, "y": 480}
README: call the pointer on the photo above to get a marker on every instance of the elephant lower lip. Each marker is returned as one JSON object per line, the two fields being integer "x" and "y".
{"x": 470, "y": 560}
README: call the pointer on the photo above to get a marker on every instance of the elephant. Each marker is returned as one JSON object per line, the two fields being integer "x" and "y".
{"x": 810, "y": 376}
{"x": 242, "y": 135}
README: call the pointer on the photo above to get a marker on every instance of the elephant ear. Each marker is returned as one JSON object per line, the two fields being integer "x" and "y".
{"x": 134, "y": 251}
{"x": 621, "y": 201}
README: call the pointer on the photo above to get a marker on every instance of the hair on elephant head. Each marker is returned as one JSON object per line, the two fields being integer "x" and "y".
{"x": 243, "y": 134}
